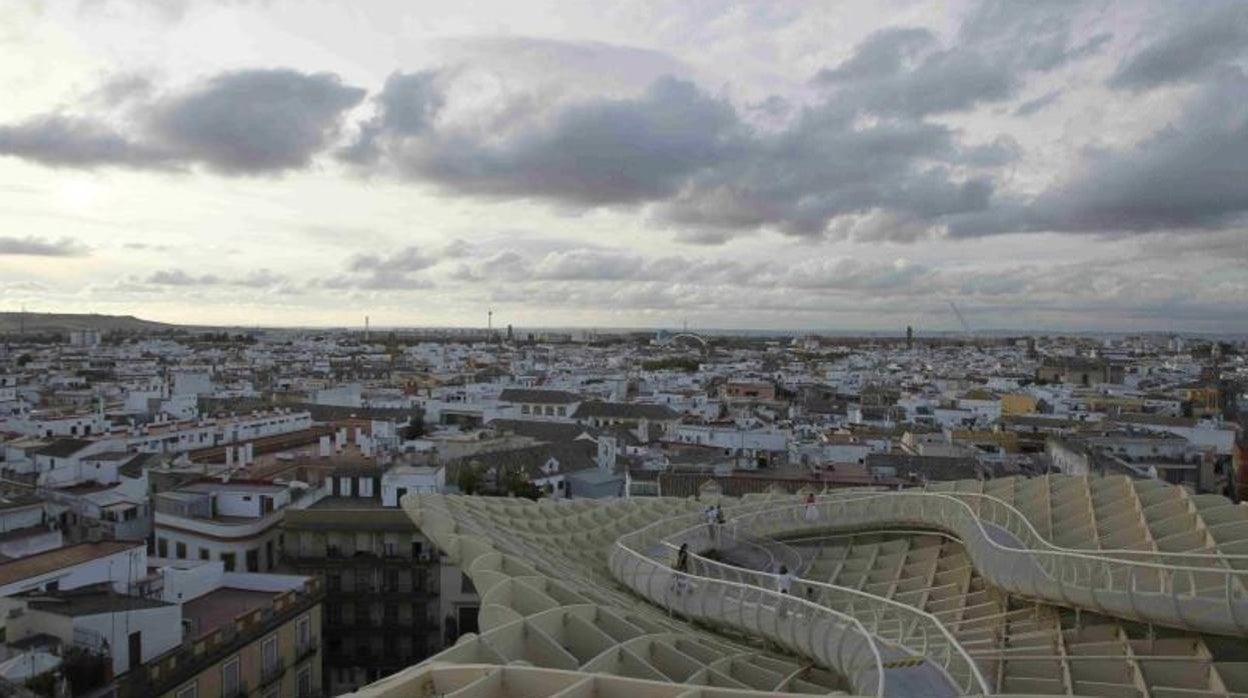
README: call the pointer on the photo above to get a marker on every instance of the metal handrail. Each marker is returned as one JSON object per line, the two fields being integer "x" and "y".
{"x": 843, "y": 634}
{"x": 1014, "y": 513}
{"x": 1202, "y": 598}
{"x": 951, "y": 658}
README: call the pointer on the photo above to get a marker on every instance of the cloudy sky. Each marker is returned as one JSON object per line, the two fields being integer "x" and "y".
{"x": 849, "y": 165}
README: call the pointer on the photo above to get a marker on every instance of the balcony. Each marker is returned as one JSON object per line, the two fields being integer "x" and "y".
{"x": 174, "y": 668}
{"x": 271, "y": 671}
{"x": 306, "y": 649}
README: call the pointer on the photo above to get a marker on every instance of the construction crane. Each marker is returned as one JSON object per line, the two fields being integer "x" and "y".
{"x": 965, "y": 327}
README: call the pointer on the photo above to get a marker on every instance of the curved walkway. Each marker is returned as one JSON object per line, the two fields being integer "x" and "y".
{"x": 1198, "y": 592}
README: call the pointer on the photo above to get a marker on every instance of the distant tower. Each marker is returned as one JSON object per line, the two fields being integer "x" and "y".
{"x": 510, "y": 336}
{"x": 909, "y": 337}
{"x": 489, "y": 319}
{"x": 366, "y": 328}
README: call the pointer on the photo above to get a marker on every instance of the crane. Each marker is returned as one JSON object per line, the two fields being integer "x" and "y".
{"x": 965, "y": 327}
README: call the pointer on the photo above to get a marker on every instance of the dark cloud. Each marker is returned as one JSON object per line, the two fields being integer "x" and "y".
{"x": 406, "y": 107}
{"x": 397, "y": 271}
{"x": 906, "y": 72}
{"x": 594, "y": 152}
{"x": 259, "y": 279}
{"x": 825, "y": 166}
{"x": 66, "y": 141}
{"x": 883, "y": 54}
{"x": 241, "y": 122}
{"x": 31, "y": 246}
{"x": 1204, "y": 38}
{"x": 687, "y": 154}
{"x": 177, "y": 277}
{"x": 1191, "y": 175}
{"x": 1039, "y": 104}
{"x": 254, "y": 121}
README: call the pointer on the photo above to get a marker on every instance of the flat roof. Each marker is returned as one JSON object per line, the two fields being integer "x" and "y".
{"x": 91, "y": 601}
{"x": 219, "y": 608}
{"x": 232, "y": 487}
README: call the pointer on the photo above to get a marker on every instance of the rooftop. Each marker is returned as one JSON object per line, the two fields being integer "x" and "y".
{"x": 219, "y": 608}
{"x": 89, "y": 601}
{"x": 52, "y": 560}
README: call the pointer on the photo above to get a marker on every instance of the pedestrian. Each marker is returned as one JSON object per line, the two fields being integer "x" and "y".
{"x": 812, "y": 509}
{"x": 681, "y": 568}
{"x": 785, "y": 581}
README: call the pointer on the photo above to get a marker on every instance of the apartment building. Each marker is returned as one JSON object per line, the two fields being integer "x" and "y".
{"x": 183, "y": 632}
{"x": 382, "y": 576}
{"x": 233, "y": 521}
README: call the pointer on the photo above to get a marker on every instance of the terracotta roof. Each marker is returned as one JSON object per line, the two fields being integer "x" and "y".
{"x": 60, "y": 558}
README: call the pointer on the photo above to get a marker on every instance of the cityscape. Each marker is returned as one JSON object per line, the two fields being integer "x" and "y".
{"x": 661, "y": 350}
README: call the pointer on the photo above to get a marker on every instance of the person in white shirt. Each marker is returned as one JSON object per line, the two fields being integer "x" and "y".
{"x": 785, "y": 581}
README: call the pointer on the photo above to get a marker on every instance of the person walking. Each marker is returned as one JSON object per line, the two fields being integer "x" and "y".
{"x": 785, "y": 581}
{"x": 812, "y": 509}
{"x": 681, "y": 568}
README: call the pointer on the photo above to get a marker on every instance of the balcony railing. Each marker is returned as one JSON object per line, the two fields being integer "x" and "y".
{"x": 173, "y": 668}
{"x": 271, "y": 671}
{"x": 306, "y": 649}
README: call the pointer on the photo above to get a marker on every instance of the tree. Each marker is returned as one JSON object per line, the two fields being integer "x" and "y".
{"x": 415, "y": 428}
{"x": 469, "y": 480}
{"x": 516, "y": 484}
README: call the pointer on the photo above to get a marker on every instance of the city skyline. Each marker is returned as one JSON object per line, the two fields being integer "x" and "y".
{"x": 774, "y": 167}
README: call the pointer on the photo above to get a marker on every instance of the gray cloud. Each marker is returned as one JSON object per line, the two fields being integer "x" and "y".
{"x": 1192, "y": 174}
{"x": 1205, "y": 37}
{"x": 66, "y": 141}
{"x": 905, "y": 71}
{"x": 255, "y": 121}
{"x": 1039, "y": 104}
{"x": 594, "y": 152}
{"x": 240, "y": 122}
{"x": 688, "y": 154}
{"x": 177, "y": 277}
{"x": 397, "y": 271}
{"x": 31, "y": 246}
{"x": 258, "y": 279}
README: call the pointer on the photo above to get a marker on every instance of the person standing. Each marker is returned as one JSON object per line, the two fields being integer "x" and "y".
{"x": 812, "y": 509}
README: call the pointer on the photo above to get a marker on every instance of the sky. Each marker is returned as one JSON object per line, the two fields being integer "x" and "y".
{"x": 755, "y": 165}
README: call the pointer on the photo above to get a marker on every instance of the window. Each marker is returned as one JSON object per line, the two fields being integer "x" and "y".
{"x": 227, "y": 559}
{"x": 204, "y": 554}
{"x": 230, "y": 681}
{"x": 191, "y": 690}
{"x": 524, "y": 409}
{"x": 333, "y": 582}
{"x": 253, "y": 560}
{"x": 303, "y": 634}
{"x": 180, "y": 550}
{"x": 162, "y": 547}
{"x": 271, "y": 661}
{"x": 304, "y": 683}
